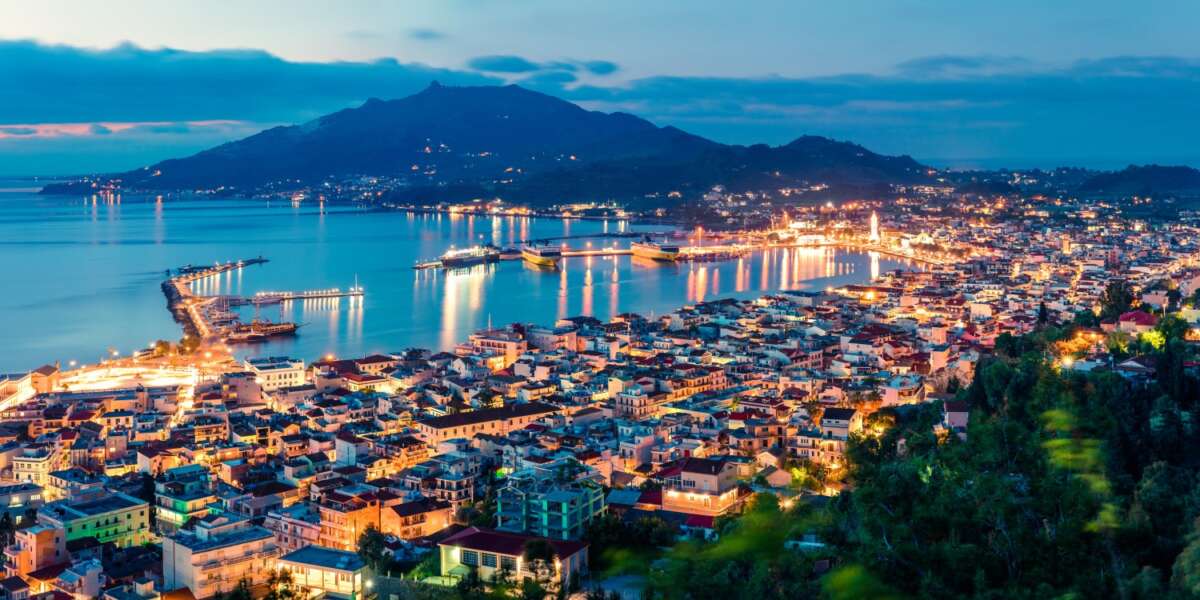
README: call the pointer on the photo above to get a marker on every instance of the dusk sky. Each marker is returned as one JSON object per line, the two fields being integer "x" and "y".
{"x": 116, "y": 85}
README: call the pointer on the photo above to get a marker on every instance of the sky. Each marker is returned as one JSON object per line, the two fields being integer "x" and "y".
{"x": 108, "y": 86}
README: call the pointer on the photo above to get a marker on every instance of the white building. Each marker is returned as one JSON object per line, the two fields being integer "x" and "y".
{"x": 276, "y": 372}
{"x": 219, "y": 553}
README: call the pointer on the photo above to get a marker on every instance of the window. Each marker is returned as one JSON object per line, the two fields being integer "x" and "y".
{"x": 508, "y": 563}
{"x": 489, "y": 560}
{"x": 470, "y": 557}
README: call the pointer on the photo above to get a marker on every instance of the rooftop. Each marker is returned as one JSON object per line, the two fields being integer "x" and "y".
{"x": 327, "y": 558}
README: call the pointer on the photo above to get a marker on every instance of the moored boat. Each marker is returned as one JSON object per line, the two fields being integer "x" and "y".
{"x": 466, "y": 257}
{"x": 654, "y": 250}
{"x": 546, "y": 256}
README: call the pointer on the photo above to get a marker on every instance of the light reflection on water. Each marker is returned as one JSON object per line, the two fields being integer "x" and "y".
{"x": 83, "y": 274}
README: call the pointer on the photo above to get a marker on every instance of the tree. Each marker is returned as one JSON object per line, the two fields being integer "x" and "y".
{"x": 281, "y": 586}
{"x": 1172, "y": 327}
{"x": 471, "y": 586}
{"x": 532, "y": 589}
{"x": 1117, "y": 299}
{"x": 1043, "y": 314}
{"x": 240, "y": 592}
{"x": 539, "y": 555}
{"x": 372, "y": 549}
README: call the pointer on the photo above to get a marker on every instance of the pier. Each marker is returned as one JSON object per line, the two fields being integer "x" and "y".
{"x": 209, "y": 318}
{"x": 265, "y": 298}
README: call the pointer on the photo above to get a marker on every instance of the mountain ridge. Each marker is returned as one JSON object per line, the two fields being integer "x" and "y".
{"x": 517, "y": 143}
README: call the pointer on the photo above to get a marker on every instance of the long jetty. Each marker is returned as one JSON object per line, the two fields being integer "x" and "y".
{"x": 264, "y": 298}
{"x": 196, "y": 313}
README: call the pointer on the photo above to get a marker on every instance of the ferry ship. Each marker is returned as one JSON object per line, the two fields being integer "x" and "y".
{"x": 653, "y": 250}
{"x": 546, "y": 256}
{"x": 466, "y": 257}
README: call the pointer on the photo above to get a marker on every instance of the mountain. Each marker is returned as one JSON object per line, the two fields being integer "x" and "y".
{"x": 462, "y": 132}
{"x": 1144, "y": 181}
{"x": 520, "y": 145}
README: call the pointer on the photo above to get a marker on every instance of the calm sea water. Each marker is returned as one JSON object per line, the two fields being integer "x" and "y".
{"x": 82, "y": 276}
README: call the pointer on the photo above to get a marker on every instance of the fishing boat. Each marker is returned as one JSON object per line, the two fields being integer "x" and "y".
{"x": 654, "y": 250}
{"x": 545, "y": 256}
{"x": 467, "y": 257}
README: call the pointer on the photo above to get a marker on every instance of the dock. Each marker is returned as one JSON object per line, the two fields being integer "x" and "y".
{"x": 209, "y": 317}
{"x": 265, "y": 298}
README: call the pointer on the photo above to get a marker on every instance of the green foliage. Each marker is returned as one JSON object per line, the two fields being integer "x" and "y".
{"x": 852, "y": 582}
{"x": 240, "y": 592}
{"x": 1068, "y": 485}
{"x": 617, "y": 547}
{"x": 1116, "y": 299}
{"x": 372, "y": 549}
{"x": 281, "y": 586}
{"x": 749, "y": 559}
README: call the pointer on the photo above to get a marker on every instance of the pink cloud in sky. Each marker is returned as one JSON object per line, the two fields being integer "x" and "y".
{"x": 57, "y": 130}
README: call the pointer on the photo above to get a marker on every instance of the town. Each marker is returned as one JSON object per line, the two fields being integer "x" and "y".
{"x": 177, "y": 474}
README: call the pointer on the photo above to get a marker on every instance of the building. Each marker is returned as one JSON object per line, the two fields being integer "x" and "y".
{"x": 344, "y": 518}
{"x": 494, "y": 421}
{"x": 35, "y": 463}
{"x": 418, "y": 518}
{"x": 20, "y": 501}
{"x": 180, "y": 494}
{"x": 70, "y": 483}
{"x": 108, "y": 516}
{"x": 547, "y": 505}
{"x": 704, "y": 486}
{"x": 904, "y": 389}
{"x": 295, "y": 526}
{"x": 220, "y": 552}
{"x": 276, "y": 372}
{"x": 487, "y": 552}
{"x": 36, "y": 548}
{"x": 506, "y": 344}
{"x": 338, "y": 574}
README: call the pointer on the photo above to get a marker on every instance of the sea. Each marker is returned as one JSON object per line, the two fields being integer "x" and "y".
{"x": 81, "y": 274}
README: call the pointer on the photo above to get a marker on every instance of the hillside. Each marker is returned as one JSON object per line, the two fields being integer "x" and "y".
{"x": 1145, "y": 180}
{"x": 518, "y": 144}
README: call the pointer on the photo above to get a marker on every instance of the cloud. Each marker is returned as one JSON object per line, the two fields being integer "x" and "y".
{"x": 510, "y": 64}
{"x": 600, "y": 67}
{"x": 943, "y": 109}
{"x": 947, "y": 110}
{"x": 426, "y": 35}
{"x": 963, "y": 66}
{"x": 503, "y": 63}
{"x": 549, "y": 81}
{"x": 17, "y": 131}
{"x": 63, "y": 84}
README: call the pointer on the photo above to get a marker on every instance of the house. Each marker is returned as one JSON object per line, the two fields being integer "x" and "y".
{"x": 108, "y": 516}
{"x": 416, "y": 519}
{"x": 220, "y": 552}
{"x": 548, "y": 504}
{"x": 776, "y": 478}
{"x": 487, "y": 552}
{"x": 335, "y": 574}
{"x": 1136, "y": 322}
{"x": 703, "y": 486}
{"x": 496, "y": 421}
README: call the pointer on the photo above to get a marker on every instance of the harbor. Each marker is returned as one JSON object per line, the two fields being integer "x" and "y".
{"x": 211, "y": 319}
{"x": 549, "y": 256}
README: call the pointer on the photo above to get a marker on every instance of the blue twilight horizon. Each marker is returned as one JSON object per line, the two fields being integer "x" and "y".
{"x": 112, "y": 86}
